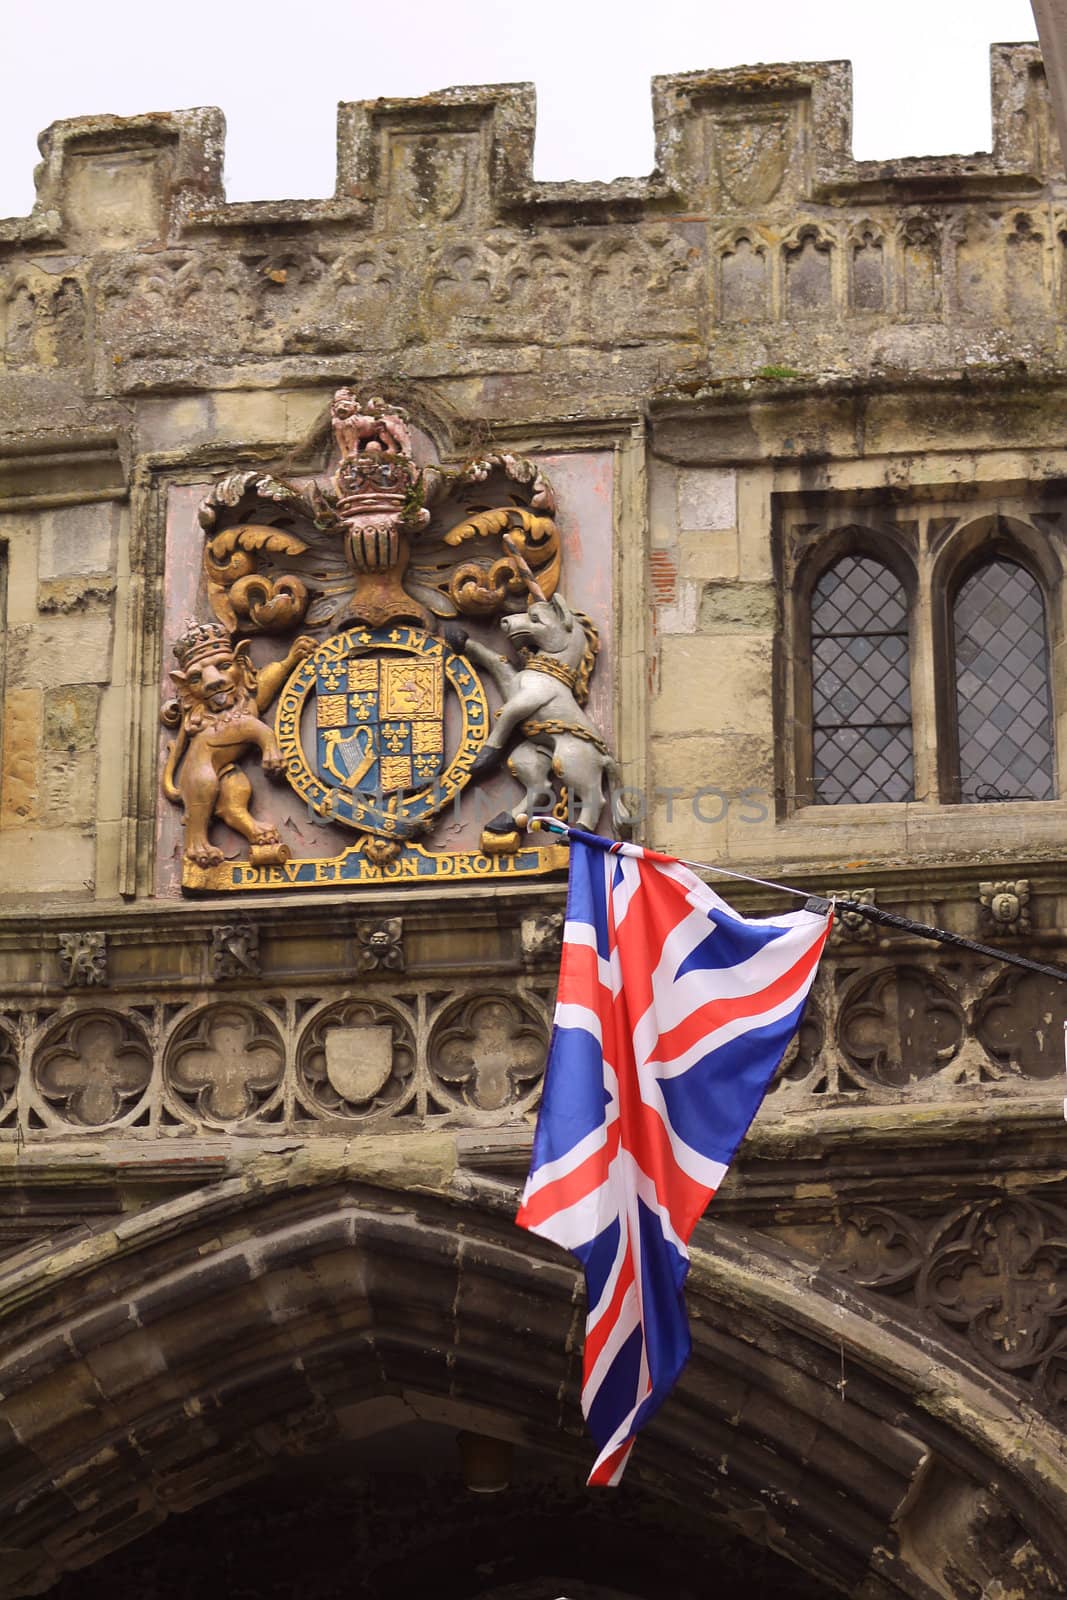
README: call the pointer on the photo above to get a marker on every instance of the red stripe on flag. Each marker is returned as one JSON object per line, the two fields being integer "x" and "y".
{"x": 566, "y": 1191}
{"x": 601, "y": 1475}
{"x": 597, "y": 1337}
{"x": 716, "y": 1013}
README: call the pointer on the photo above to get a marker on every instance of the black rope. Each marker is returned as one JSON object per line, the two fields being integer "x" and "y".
{"x": 922, "y": 930}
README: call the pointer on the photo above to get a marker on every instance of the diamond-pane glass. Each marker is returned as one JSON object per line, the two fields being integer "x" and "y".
{"x": 1003, "y": 705}
{"x": 861, "y": 690}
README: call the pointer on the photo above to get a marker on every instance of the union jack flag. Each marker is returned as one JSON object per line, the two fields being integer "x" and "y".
{"x": 672, "y": 1017}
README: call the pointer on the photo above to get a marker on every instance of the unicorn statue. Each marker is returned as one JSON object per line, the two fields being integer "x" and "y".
{"x": 543, "y": 702}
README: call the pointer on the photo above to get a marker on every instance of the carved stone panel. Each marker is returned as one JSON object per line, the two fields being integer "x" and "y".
{"x": 234, "y": 951}
{"x": 488, "y": 1054}
{"x": 999, "y": 1273}
{"x": 223, "y": 1067}
{"x": 1021, "y": 1024}
{"x": 1005, "y": 907}
{"x": 92, "y": 1069}
{"x": 851, "y": 927}
{"x": 83, "y": 960}
{"x": 751, "y": 155}
{"x": 381, "y": 945}
{"x": 542, "y": 937}
{"x": 992, "y": 1272}
{"x": 899, "y": 1025}
{"x": 808, "y": 274}
{"x": 430, "y": 177}
{"x": 356, "y": 1060}
{"x": 744, "y": 280}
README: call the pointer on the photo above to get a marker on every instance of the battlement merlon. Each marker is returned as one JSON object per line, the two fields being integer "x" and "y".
{"x": 465, "y": 156}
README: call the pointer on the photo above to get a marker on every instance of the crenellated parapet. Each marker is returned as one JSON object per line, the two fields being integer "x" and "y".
{"x": 758, "y": 241}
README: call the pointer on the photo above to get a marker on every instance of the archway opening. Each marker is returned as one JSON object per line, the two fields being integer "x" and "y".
{"x": 390, "y": 1517}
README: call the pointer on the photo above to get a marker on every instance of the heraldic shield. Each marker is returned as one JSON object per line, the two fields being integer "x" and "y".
{"x": 380, "y": 722}
{"x": 361, "y": 726}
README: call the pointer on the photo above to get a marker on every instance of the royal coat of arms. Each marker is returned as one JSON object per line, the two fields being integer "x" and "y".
{"x": 348, "y": 656}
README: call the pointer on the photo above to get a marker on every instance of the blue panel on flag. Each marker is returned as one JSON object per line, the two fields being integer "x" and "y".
{"x": 576, "y": 1105}
{"x": 727, "y": 944}
{"x": 615, "y": 1397}
{"x": 733, "y": 1080}
{"x": 587, "y": 898}
{"x": 598, "y": 1258}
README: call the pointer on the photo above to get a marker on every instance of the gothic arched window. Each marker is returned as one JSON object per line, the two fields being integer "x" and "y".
{"x": 861, "y": 690}
{"x": 1003, "y": 703}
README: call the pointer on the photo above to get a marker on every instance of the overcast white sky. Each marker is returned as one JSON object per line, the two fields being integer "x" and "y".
{"x": 278, "y": 69}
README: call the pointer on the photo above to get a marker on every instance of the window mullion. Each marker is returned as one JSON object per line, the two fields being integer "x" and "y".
{"x": 924, "y": 680}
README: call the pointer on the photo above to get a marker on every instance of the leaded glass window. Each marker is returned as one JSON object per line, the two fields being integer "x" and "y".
{"x": 1003, "y": 705}
{"x": 861, "y": 692}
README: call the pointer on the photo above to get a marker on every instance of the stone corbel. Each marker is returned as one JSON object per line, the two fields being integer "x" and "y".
{"x": 380, "y": 945}
{"x": 83, "y": 960}
{"x": 234, "y": 951}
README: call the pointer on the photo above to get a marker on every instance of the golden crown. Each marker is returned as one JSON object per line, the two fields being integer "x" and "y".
{"x": 199, "y": 639}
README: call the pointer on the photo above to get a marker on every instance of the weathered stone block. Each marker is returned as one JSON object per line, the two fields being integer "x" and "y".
{"x": 737, "y": 608}
{"x": 64, "y": 595}
{"x": 114, "y": 198}
{"x": 77, "y": 541}
{"x": 713, "y": 684}
{"x": 45, "y": 860}
{"x": 70, "y": 715}
{"x": 20, "y": 774}
{"x": 59, "y": 652}
{"x": 708, "y": 556}
{"x": 736, "y": 763}
{"x": 68, "y": 789}
{"x": 754, "y": 526}
{"x": 707, "y": 498}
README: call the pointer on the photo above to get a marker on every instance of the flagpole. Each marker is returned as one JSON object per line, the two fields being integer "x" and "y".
{"x": 918, "y": 930}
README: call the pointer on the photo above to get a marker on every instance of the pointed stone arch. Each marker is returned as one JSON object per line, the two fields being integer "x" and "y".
{"x": 153, "y": 1364}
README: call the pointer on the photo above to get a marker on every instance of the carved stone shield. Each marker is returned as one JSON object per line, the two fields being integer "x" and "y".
{"x": 751, "y": 158}
{"x": 430, "y": 176}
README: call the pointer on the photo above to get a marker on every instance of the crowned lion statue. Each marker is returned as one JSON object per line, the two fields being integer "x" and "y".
{"x": 217, "y": 712}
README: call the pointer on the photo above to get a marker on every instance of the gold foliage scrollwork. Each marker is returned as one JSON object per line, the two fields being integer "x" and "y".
{"x": 242, "y": 596}
{"x": 477, "y": 539}
{"x": 480, "y": 588}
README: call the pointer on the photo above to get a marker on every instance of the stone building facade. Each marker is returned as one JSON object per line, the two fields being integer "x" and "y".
{"x": 261, "y": 1135}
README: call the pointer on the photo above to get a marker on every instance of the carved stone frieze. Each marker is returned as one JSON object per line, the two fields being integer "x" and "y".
{"x": 1005, "y": 907}
{"x": 234, "y": 951}
{"x": 356, "y": 1060}
{"x": 83, "y": 960}
{"x": 488, "y": 1054}
{"x": 224, "y": 1066}
{"x": 380, "y": 945}
{"x": 874, "y": 1032}
{"x": 91, "y": 1069}
{"x": 559, "y": 290}
{"x": 878, "y": 1030}
{"x": 992, "y": 1272}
